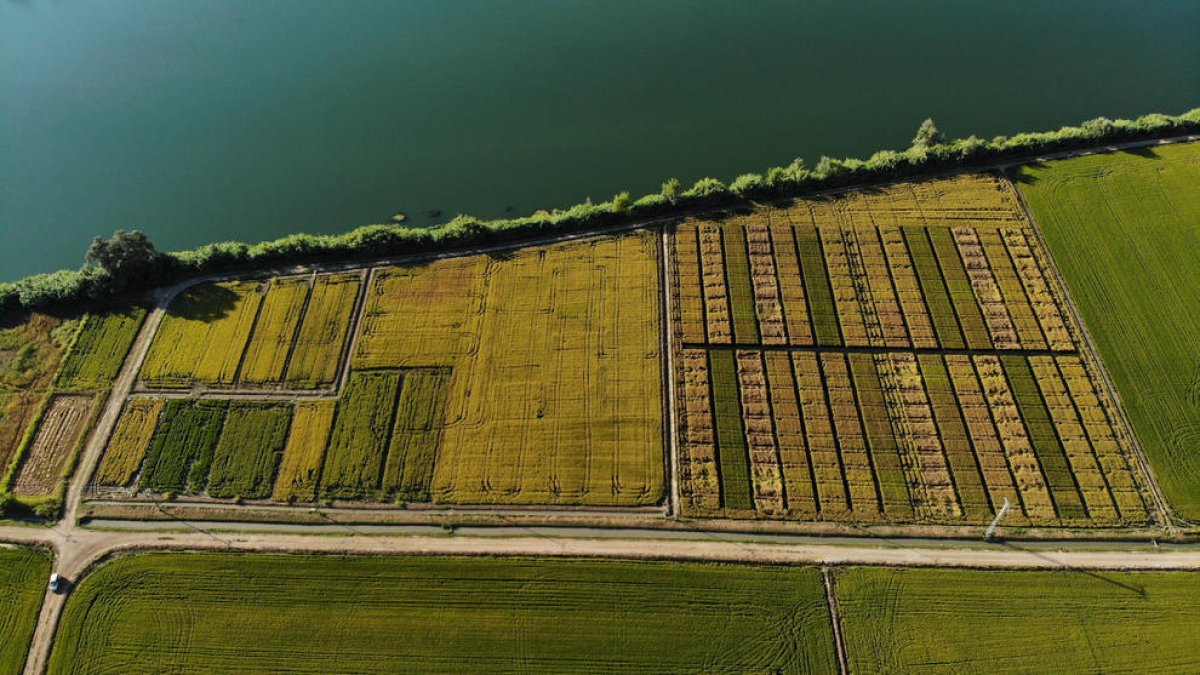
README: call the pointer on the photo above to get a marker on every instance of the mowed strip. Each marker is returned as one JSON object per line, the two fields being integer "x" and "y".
{"x": 208, "y": 612}
{"x": 1124, "y": 230}
{"x": 953, "y": 621}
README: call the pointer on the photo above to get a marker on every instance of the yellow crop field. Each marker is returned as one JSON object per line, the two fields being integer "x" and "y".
{"x": 267, "y": 352}
{"x": 305, "y": 451}
{"x": 426, "y": 315}
{"x": 129, "y": 442}
{"x": 324, "y": 330}
{"x": 562, "y": 401}
{"x": 901, "y": 354}
{"x": 202, "y": 336}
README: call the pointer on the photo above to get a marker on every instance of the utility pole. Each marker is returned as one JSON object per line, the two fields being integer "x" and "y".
{"x": 987, "y": 535}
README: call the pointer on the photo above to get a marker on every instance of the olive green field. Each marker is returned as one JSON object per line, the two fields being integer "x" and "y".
{"x": 1124, "y": 229}
{"x": 23, "y": 574}
{"x": 170, "y": 612}
{"x": 955, "y": 621}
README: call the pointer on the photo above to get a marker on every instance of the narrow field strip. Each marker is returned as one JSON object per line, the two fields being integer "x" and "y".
{"x": 962, "y": 295}
{"x": 832, "y": 491}
{"x": 361, "y": 429}
{"x": 304, "y": 453}
{"x": 890, "y": 475}
{"x": 416, "y": 434}
{"x": 689, "y": 297}
{"x": 737, "y": 276}
{"x": 908, "y": 288}
{"x": 846, "y": 295}
{"x": 129, "y": 443}
{"x": 732, "y": 453}
{"x": 960, "y": 453}
{"x": 861, "y": 481}
{"x": 247, "y": 455}
{"x": 314, "y": 361}
{"x": 274, "y": 331}
{"x": 718, "y": 324}
{"x": 816, "y": 283}
{"x": 181, "y": 452}
{"x": 700, "y": 484}
{"x": 933, "y": 289}
{"x": 764, "y": 278}
{"x": 790, "y": 280}
{"x": 798, "y": 479}
{"x": 766, "y": 472}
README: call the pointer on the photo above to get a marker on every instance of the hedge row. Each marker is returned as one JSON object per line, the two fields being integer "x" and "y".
{"x": 371, "y": 241}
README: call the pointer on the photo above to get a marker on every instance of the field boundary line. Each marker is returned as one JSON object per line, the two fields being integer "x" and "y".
{"x": 835, "y": 617}
{"x": 1163, "y": 508}
{"x": 668, "y": 372}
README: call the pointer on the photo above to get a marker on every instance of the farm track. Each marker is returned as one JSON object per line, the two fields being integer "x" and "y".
{"x": 77, "y": 548}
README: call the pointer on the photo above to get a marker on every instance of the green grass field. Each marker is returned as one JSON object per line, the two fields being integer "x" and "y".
{"x": 1124, "y": 229}
{"x": 954, "y": 621}
{"x": 23, "y": 574}
{"x": 253, "y": 613}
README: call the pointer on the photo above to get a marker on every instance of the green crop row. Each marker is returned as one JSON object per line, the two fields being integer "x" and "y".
{"x": 358, "y": 443}
{"x": 416, "y": 433}
{"x": 816, "y": 283}
{"x": 966, "y": 307}
{"x": 248, "y": 453}
{"x": 1043, "y": 438}
{"x": 732, "y": 454}
{"x": 881, "y": 441}
{"x": 933, "y": 288}
{"x": 945, "y": 406}
{"x": 182, "y": 448}
{"x": 741, "y": 293}
{"x": 100, "y": 348}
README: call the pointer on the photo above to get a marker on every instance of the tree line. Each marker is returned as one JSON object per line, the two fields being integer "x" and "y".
{"x": 128, "y": 261}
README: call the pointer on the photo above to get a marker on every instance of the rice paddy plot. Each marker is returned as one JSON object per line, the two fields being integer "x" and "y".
{"x": 1124, "y": 230}
{"x": 208, "y": 612}
{"x": 23, "y": 573}
{"x": 30, "y": 354}
{"x": 201, "y": 339}
{"x": 130, "y": 439}
{"x": 181, "y": 451}
{"x": 248, "y": 452}
{"x": 52, "y": 450}
{"x": 867, "y": 358}
{"x": 561, "y": 402}
{"x": 99, "y": 350}
{"x": 953, "y": 621}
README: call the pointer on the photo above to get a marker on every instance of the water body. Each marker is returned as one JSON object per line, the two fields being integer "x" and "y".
{"x": 226, "y": 119}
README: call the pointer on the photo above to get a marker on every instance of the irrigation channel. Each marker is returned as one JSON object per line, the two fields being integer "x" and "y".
{"x": 77, "y": 547}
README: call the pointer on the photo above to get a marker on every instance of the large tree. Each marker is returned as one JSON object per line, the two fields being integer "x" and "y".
{"x": 126, "y": 254}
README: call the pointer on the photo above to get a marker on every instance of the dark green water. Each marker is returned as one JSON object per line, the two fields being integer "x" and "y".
{"x": 231, "y": 119}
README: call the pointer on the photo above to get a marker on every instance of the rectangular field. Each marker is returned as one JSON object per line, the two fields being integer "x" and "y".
{"x": 902, "y": 355}
{"x": 1124, "y": 230}
{"x": 438, "y": 614}
{"x": 23, "y": 574}
{"x": 954, "y": 621}
{"x": 30, "y": 353}
{"x": 287, "y": 332}
{"x": 59, "y": 436}
{"x": 99, "y": 350}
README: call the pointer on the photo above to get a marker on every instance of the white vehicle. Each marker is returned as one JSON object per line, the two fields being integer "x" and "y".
{"x": 55, "y": 582}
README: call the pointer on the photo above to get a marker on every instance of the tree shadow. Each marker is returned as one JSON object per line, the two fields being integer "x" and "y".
{"x": 207, "y": 302}
{"x": 1145, "y": 151}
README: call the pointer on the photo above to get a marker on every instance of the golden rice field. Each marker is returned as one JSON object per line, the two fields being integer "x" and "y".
{"x": 532, "y": 377}
{"x": 288, "y": 332}
{"x": 901, "y": 355}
